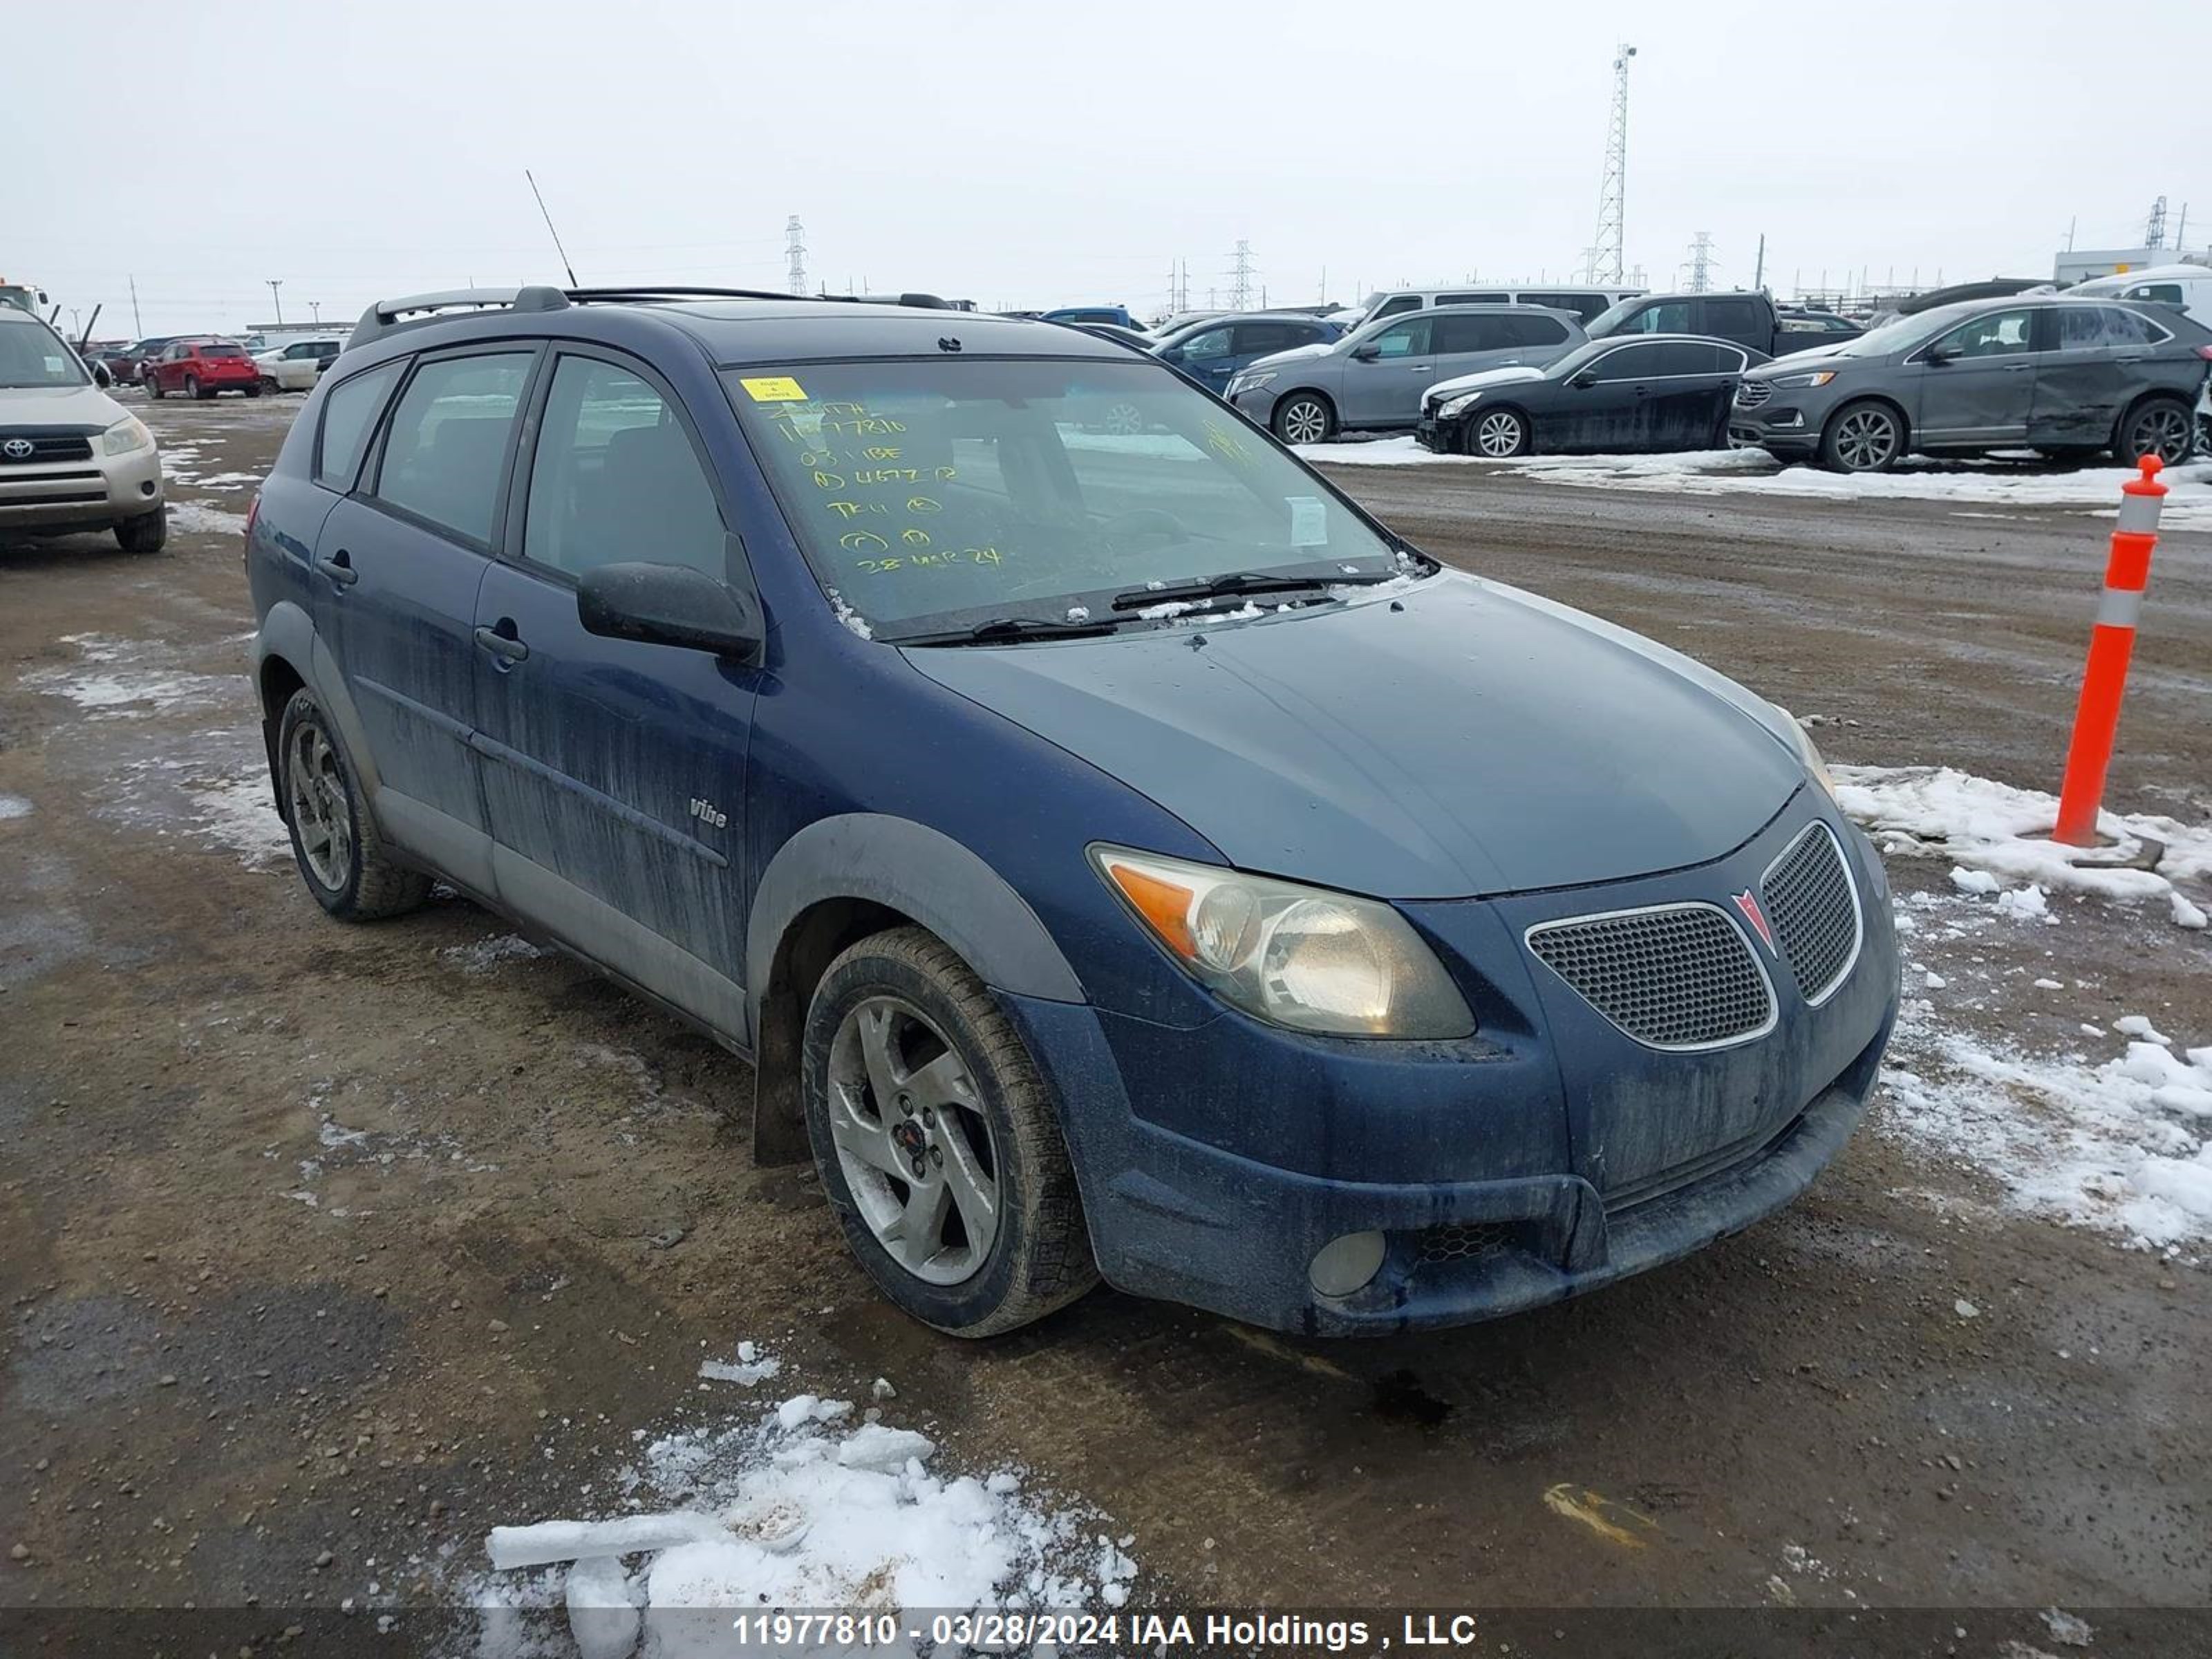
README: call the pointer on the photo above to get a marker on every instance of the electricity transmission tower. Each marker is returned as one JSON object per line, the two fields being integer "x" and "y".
{"x": 794, "y": 254}
{"x": 2155, "y": 231}
{"x": 1240, "y": 295}
{"x": 1611, "y": 194}
{"x": 1701, "y": 261}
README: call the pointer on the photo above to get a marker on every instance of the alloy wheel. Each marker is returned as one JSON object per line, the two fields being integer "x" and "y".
{"x": 1497, "y": 434}
{"x": 1305, "y": 422}
{"x": 2164, "y": 432}
{"x": 912, "y": 1141}
{"x": 1865, "y": 440}
{"x": 322, "y": 812}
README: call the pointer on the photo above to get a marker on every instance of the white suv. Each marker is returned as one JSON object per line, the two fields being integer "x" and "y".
{"x": 71, "y": 458}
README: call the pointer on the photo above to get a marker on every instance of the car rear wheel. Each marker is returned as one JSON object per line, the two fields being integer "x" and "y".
{"x": 2163, "y": 427}
{"x": 1496, "y": 434}
{"x": 1304, "y": 418}
{"x": 254, "y": 390}
{"x": 144, "y": 534}
{"x": 193, "y": 387}
{"x": 937, "y": 1141}
{"x": 335, "y": 841}
{"x": 154, "y": 386}
{"x": 1862, "y": 438}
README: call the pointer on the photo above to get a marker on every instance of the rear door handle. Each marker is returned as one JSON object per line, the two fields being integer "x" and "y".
{"x": 2018, "y": 368}
{"x": 505, "y": 646}
{"x": 339, "y": 567}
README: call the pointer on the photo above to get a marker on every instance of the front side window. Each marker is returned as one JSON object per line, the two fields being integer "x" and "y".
{"x": 1635, "y": 362}
{"x": 933, "y": 495}
{"x": 33, "y": 355}
{"x": 349, "y": 414}
{"x": 2000, "y": 334}
{"x": 447, "y": 445}
{"x": 1207, "y": 345}
{"x": 1404, "y": 340}
{"x": 1391, "y": 308}
{"x": 616, "y": 478}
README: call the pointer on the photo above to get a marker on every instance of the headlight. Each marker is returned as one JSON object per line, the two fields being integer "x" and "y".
{"x": 1296, "y": 956}
{"x": 1254, "y": 382}
{"x": 128, "y": 434}
{"x": 1452, "y": 408}
{"x": 1816, "y": 377}
{"x": 1802, "y": 740}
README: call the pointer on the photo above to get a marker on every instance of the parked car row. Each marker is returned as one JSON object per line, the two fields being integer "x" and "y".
{"x": 1617, "y": 396}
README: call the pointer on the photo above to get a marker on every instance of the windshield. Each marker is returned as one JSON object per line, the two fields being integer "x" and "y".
{"x": 1903, "y": 333}
{"x": 33, "y": 355}
{"x": 931, "y": 495}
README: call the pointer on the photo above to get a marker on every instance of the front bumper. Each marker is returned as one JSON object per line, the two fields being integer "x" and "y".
{"x": 1442, "y": 436}
{"x": 79, "y": 495}
{"x": 1780, "y": 429}
{"x": 1216, "y": 1162}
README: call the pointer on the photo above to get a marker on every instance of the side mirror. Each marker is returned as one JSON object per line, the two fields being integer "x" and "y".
{"x": 1367, "y": 353}
{"x": 1582, "y": 380}
{"x": 670, "y": 604}
{"x": 1945, "y": 353}
{"x": 1172, "y": 355}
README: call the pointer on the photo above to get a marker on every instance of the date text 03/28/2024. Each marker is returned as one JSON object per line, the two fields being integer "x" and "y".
{"x": 991, "y": 1630}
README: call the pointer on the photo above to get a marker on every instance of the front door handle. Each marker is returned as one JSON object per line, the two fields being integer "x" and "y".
{"x": 2018, "y": 368}
{"x": 338, "y": 568}
{"x": 505, "y": 646}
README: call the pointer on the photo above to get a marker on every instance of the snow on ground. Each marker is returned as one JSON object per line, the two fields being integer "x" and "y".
{"x": 2121, "y": 1144}
{"x": 1993, "y": 832}
{"x": 127, "y": 679}
{"x": 791, "y": 1506}
{"x": 198, "y": 517}
{"x": 13, "y": 806}
{"x": 482, "y": 956}
{"x": 240, "y": 812}
{"x": 2026, "y": 483}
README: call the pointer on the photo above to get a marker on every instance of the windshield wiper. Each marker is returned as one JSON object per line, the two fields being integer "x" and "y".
{"x": 1242, "y": 581}
{"x": 1001, "y": 629}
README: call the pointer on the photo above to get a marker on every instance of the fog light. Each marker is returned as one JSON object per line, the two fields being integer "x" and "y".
{"x": 1346, "y": 1264}
{"x": 146, "y": 488}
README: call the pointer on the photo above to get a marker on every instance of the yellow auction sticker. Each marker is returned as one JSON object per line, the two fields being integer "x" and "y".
{"x": 775, "y": 389}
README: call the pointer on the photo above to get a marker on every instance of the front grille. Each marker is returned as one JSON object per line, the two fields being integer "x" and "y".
{"x": 45, "y": 446}
{"x": 1814, "y": 910}
{"x": 1675, "y": 976}
{"x": 1461, "y": 1241}
{"x": 1749, "y": 394}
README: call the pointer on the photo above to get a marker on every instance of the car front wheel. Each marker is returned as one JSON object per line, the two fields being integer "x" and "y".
{"x": 147, "y": 533}
{"x": 2162, "y": 426}
{"x": 1862, "y": 438}
{"x": 1304, "y": 418}
{"x": 1496, "y": 434}
{"x": 340, "y": 853}
{"x": 154, "y": 386}
{"x": 937, "y": 1141}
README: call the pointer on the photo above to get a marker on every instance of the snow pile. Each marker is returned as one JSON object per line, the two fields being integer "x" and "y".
{"x": 485, "y": 954}
{"x": 2123, "y": 1146}
{"x": 750, "y": 1368}
{"x": 197, "y": 517}
{"x": 240, "y": 813}
{"x": 795, "y": 1509}
{"x": 2026, "y": 481}
{"x": 1994, "y": 833}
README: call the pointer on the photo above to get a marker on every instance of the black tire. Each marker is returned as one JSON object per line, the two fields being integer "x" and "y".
{"x": 2165, "y": 427}
{"x": 154, "y": 387}
{"x": 253, "y": 391}
{"x": 1040, "y": 1258}
{"x": 1304, "y": 418}
{"x": 1852, "y": 440}
{"x": 371, "y": 885}
{"x": 147, "y": 533}
{"x": 192, "y": 388}
{"x": 2067, "y": 452}
{"x": 1486, "y": 436}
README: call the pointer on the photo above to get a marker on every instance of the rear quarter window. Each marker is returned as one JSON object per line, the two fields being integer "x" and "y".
{"x": 349, "y": 413}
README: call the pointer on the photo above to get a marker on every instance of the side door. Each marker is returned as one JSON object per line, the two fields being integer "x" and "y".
{"x": 615, "y": 769}
{"x": 404, "y": 555}
{"x": 1976, "y": 381}
{"x": 1468, "y": 342}
{"x": 1385, "y": 374}
{"x": 168, "y": 372}
{"x": 1605, "y": 406}
{"x": 2093, "y": 369}
{"x": 1686, "y": 405}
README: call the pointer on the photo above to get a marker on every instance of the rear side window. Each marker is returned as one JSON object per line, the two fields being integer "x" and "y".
{"x": 1473, "y": 332}
{"x": 1731, "y": 317}
{"x": 1686, "y": 358}
{"x": 348, "y": 416}
{"x": 2158, "y": 294}
{"x": 1584, "y": 306}
{"x": 616, "y": 478}
{"x": 447, "y": 446}
{"x": 1534, "y": 330}
{"x": 1255, "y": 339}
{"x": 1473, "y": 299}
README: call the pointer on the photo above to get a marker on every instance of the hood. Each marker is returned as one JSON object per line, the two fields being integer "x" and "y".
{"x": 1484, "y": 378}
{"x": 1318, "y": 348}
{"x": 1467, "y": 739}
{"x": 58, "y": 406}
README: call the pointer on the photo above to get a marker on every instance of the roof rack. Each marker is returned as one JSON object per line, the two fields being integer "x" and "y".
{"x": 386, "y": 315}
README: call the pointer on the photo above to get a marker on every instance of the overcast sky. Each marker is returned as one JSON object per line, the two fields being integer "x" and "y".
{"x": 1038, "y": 153}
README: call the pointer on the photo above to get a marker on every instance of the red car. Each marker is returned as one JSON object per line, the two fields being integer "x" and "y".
{"x": 201, "y": 367}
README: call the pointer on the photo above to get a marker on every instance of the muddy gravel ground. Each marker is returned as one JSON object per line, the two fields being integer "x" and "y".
{"x": 324, "y": 1250}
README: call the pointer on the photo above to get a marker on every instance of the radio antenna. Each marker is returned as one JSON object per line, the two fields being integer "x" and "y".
{"x": 550, "y": 231}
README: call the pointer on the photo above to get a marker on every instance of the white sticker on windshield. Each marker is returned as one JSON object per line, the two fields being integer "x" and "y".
{"x": 1309, "y": 521}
